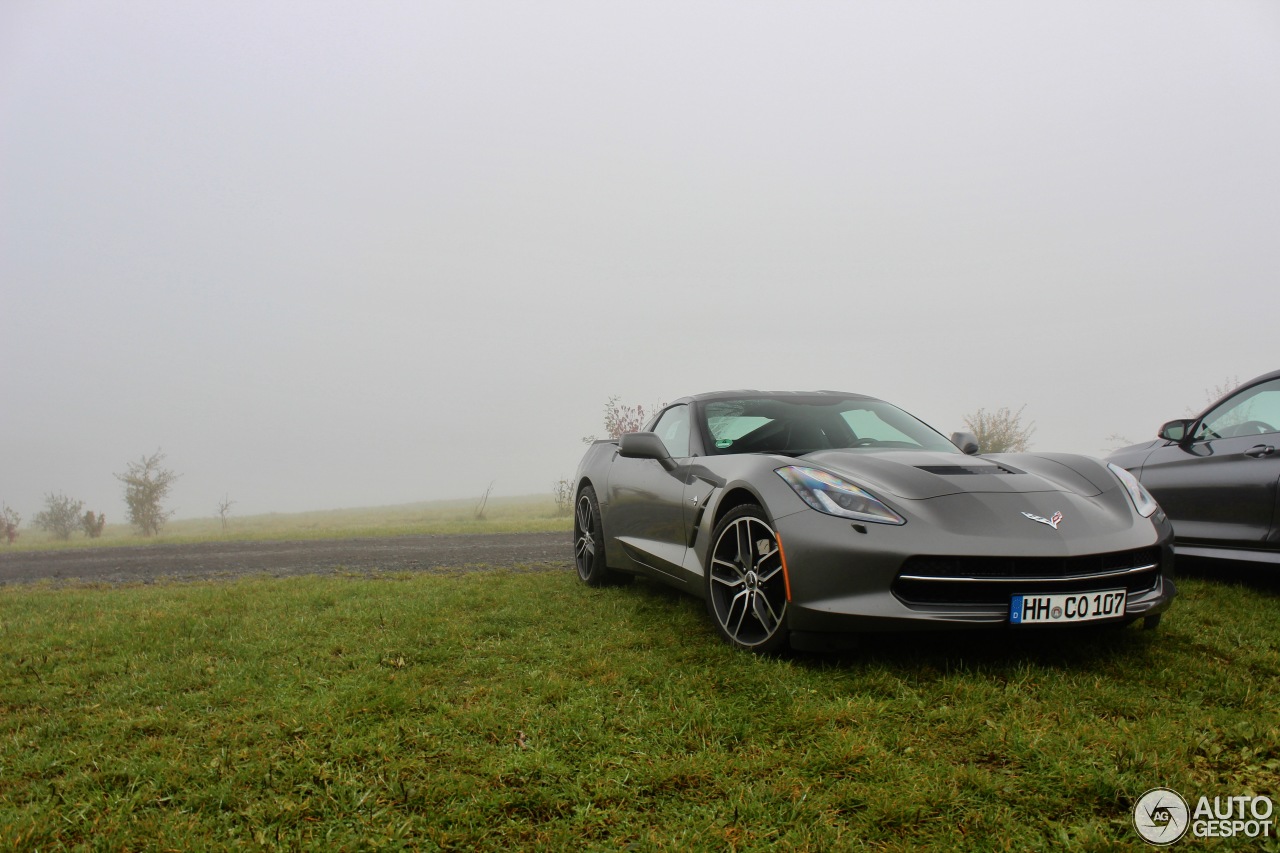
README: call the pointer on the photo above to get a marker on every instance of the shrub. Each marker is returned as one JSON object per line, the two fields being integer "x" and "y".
{"x": 60, "y": 516}
{"x": 9, "y": 521}
{"x": 93, "y": 524}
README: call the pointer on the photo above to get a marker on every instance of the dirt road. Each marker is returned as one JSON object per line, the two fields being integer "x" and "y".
{"x": 213, "y": 560}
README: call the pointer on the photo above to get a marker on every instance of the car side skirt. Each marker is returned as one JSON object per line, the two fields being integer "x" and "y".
{"x": 1233, "y": 554}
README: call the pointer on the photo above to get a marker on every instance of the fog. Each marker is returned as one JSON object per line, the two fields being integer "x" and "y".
{"x": 331, "y": 254}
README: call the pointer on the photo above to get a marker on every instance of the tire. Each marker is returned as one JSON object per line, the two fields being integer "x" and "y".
{"x": 746, "y": 584}
{"x": 588, "y": 542}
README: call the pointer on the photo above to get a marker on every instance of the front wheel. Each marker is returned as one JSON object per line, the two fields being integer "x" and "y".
{"x": 588, "y": 542}
{"x": 746, "y": 585}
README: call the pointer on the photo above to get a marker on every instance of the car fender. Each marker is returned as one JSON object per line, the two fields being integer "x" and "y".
{"x": 760, "y": 486}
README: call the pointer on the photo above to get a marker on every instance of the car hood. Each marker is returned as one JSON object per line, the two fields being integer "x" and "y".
{"x": 919, "y": 475}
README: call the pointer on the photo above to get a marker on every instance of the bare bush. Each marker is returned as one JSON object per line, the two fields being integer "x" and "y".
{"x": 483, "y": 506}
{"x": 1216, "y": 393}
{"x": 9, "y": 521}
{"x": 1238, "y": 414}
{"x": 60, "y": 516}
{"x": 620, "y": 420}
{"x": 1000, "y": 431}
{"x": 146, "y": 485}
{"x": 1115, "y": 441}
{"x": 224, "y": 510}
{"x": 563, "y": 493}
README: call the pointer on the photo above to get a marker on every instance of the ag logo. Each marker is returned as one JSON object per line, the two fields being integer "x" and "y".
{"x": 1160, "y": 816}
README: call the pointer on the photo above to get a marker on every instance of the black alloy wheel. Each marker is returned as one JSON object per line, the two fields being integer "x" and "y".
{"x": 588, "y": 542}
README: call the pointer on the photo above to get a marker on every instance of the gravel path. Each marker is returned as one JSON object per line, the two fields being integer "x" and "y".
{"x": 220, "y": 560}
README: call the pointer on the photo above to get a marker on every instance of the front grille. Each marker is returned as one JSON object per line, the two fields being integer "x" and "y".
{"x": 991, "y": 580}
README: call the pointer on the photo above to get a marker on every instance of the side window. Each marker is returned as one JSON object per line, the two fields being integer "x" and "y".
{"x": 1255, "y": 411}
{"x": 673, "y": 429}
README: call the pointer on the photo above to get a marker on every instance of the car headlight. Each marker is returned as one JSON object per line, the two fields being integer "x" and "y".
{"x": 827, "y": 493}
{"x": 1142, "y": 500}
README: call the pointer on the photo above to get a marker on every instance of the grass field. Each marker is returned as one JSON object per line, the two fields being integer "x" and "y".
{"x": 529, "y": 514}
{"x": 512, "y": 711}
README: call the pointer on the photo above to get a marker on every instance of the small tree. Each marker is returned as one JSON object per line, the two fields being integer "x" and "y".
{"x": 9, "y": 521}
{"x": 1000, "y": 431}
{"x": 93, "y": 524}
{"x": 60, "y": 516}
{"x": 224, "y": 509}
{"x": 146, "y": 485}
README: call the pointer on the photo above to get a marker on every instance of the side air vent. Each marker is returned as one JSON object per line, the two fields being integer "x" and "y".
{"x": 954, "y": 470}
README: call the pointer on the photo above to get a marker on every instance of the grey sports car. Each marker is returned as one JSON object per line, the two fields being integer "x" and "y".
{"x": 807, "y": 517}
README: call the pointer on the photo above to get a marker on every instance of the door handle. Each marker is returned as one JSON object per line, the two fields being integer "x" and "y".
{"x": 1260, "y": 450}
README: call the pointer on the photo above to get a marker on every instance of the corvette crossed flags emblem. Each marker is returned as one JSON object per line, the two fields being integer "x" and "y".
{"x": 1052, "y": 522}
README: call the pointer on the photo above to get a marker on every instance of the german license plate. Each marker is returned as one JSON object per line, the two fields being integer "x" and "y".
{"x": 1066, "y": 607}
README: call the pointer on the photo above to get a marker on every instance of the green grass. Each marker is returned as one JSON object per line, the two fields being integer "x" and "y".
{"x": 530, "y": 514}
{"x": 512, "y": 711}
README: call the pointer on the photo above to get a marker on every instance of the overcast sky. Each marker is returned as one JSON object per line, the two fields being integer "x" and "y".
{"x": 345, "y": 254}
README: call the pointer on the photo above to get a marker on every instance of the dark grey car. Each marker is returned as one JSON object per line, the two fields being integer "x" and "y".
{"x": 804, "y": 516}
{"x": 1217, "y": 475}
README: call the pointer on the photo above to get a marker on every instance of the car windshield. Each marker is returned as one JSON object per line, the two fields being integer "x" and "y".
{"x": 801, "y": 424}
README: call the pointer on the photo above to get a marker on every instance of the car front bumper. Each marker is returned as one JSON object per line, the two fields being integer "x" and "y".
{"x": 844, "y": 577}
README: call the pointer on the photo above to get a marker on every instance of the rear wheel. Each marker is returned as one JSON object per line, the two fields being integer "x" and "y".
{"x": 588, "y": 542}
{"x": 746, "y": 588}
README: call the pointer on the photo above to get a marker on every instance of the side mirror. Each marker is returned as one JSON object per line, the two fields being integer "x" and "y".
{"x": 966, "y": 441}
{"x": 1178, "y": 430}
{"x": 645, "y": 445}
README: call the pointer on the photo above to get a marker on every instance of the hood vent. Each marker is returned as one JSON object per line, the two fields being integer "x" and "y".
{"x": 952, "y": 470}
